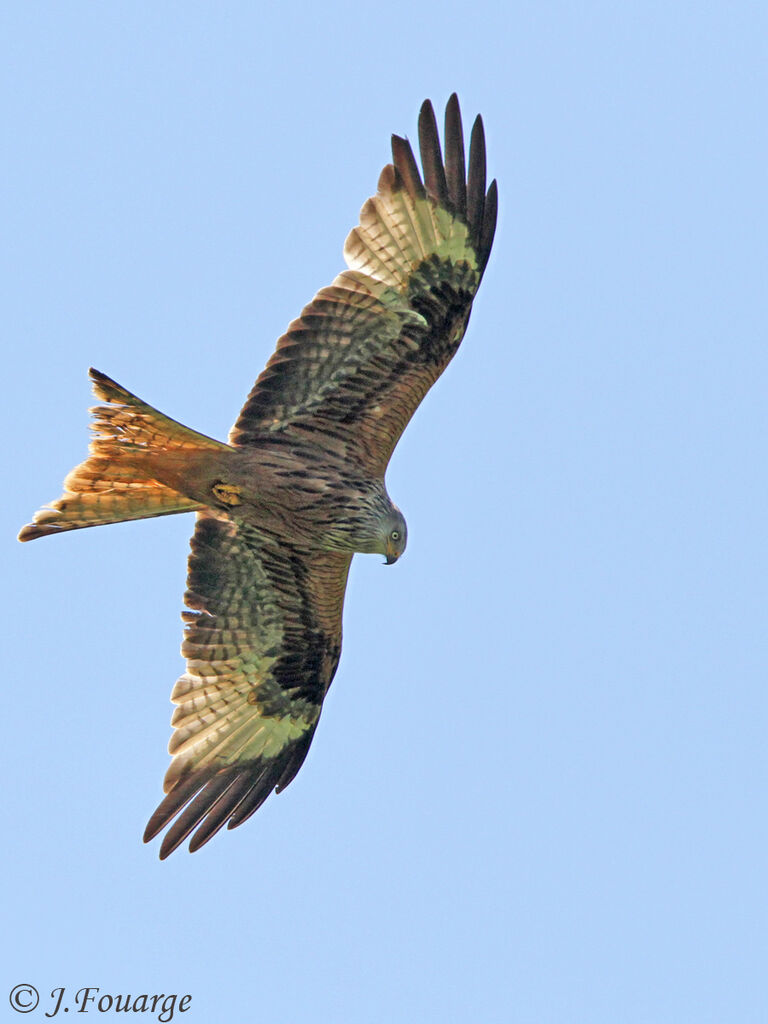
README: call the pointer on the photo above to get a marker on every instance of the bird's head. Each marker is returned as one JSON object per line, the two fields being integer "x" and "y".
{"x": 394, "y": 535}
{"x": 371, "y": 524}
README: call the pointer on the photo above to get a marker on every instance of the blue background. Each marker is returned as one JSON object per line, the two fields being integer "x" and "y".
{"x": 537, "y": 793}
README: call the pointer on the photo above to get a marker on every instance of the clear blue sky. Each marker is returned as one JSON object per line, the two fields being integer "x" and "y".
{"x": 538, "y": 791}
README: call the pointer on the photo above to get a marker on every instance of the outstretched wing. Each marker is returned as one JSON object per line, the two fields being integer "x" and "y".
{"x": 357, "y": 363}
{"x": 262, "y": 642}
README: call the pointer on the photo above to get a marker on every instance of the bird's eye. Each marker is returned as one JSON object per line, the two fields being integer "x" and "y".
{"x": 395, "y": 535}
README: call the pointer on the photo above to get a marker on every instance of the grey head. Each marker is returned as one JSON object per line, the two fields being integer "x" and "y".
{"x": 395, "y": 531}
{"x": 371, "y": 525}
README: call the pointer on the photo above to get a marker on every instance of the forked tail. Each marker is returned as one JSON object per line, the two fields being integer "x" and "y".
{"x": 115, "y": 484}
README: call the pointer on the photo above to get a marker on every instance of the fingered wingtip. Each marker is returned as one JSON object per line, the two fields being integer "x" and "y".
{"x": 405, "y": 164}
{"x": 432, "y": 157}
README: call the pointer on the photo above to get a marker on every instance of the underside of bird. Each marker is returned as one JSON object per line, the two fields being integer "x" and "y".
{"x": 269, "y": 559}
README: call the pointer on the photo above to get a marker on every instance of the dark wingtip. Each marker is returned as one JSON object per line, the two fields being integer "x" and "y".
{"x": 172, "y": 803}
{"x": 250, "y": 803}
{"x": 488, "y": 229}
{"x": 455, "y": 171}
{"x": 222, "y": 810}
{"x": 198, "y": 809}
{"x": 452, "y": 184}
{"x": 202, "y": 802}
{"x": 406, "y": 167}
{"x": 476, "y": 181}
{"x": 459, "y": 188}
{"x": 431, "y": 157}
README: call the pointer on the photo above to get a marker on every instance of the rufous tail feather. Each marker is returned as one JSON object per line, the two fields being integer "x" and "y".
{"x": 114, "y": 484}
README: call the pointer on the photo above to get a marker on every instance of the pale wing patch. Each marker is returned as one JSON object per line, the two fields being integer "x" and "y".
{"x": 223, "y": 708}
{"x": 396, "y": 232}
{"x": 220, "y": 721}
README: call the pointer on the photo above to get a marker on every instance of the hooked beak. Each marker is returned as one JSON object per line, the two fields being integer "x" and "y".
{"x": 392, "y": 553}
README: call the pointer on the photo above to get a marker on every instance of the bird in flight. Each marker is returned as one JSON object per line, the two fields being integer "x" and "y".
{"x": 299, "y": 487}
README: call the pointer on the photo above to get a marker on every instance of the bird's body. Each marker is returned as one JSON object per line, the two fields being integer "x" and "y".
{"x": 299, "y": 488}
{"x": 297, "y": 491}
